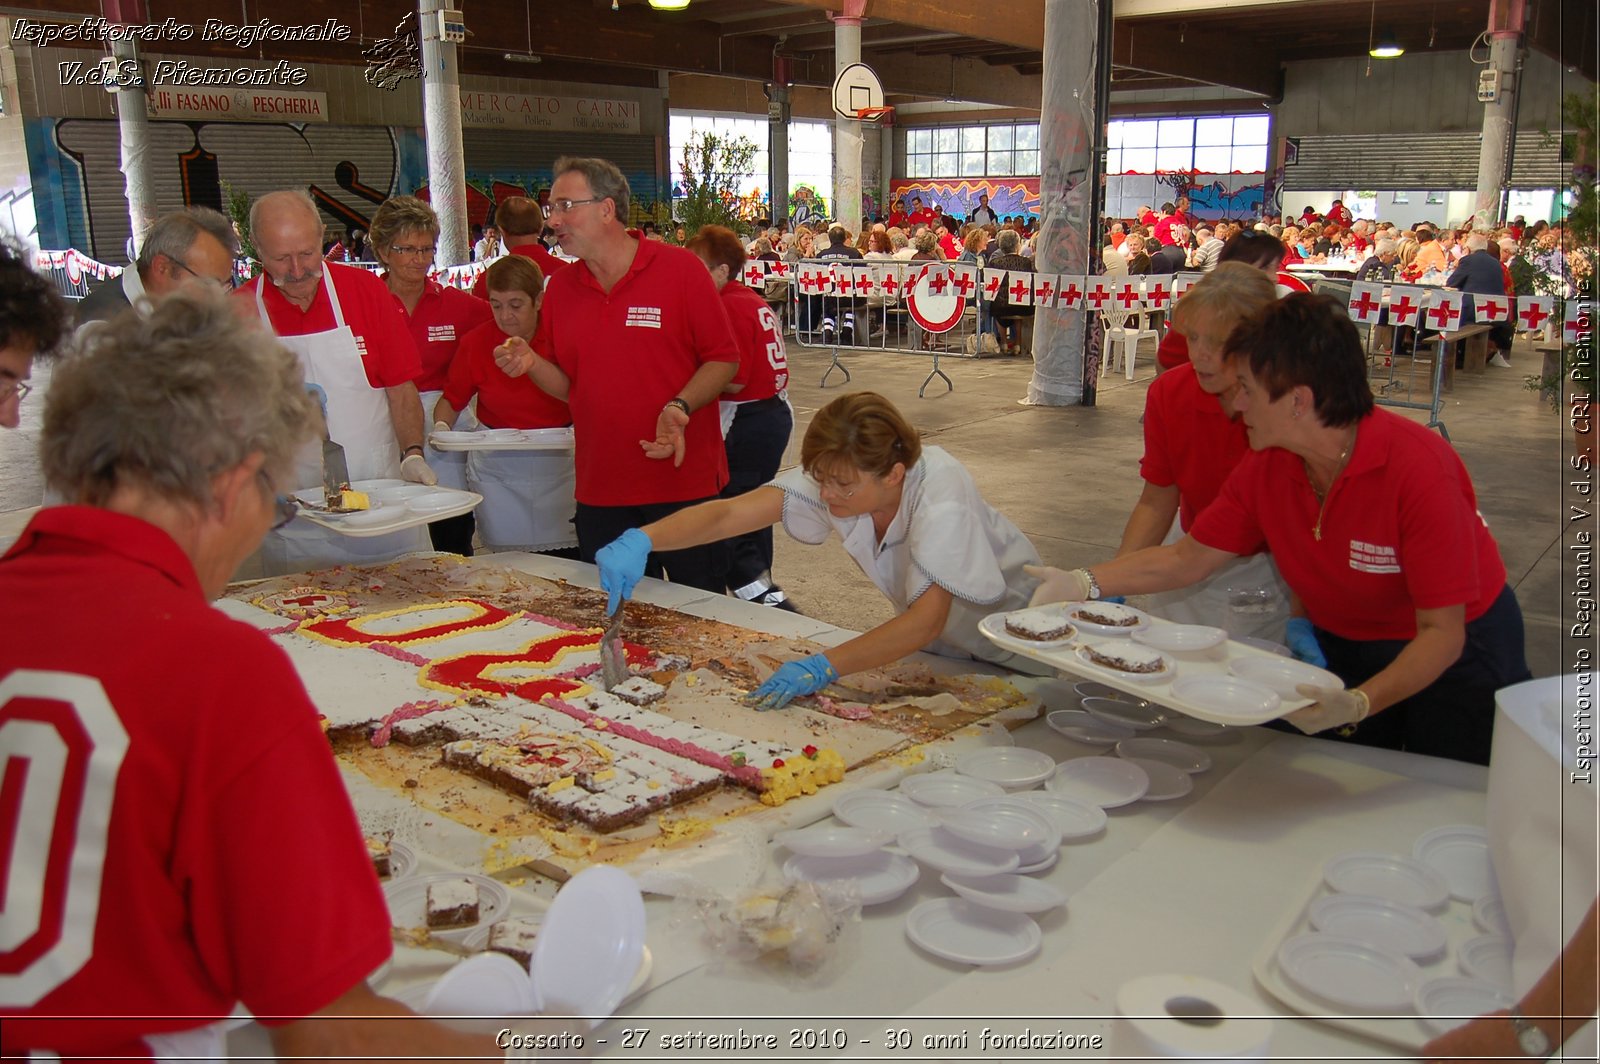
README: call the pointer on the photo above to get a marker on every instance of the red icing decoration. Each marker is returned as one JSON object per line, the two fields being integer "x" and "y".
{"x": 777, "y": 762}
{"x": 466, "y": 673}
{"x": 344, "y": 630}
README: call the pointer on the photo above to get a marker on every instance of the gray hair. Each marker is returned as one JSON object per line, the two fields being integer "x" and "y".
{"x": 925, "y": 241}
{"x": 897, "y": 239}
{"x": 174, "y": 234}
{"x": 166, "y": 402}
{"x": 1385, "y": 247}
{"x": 299, "y": 197}
{"x": 605, "y": 180}
{"x": 1477, "y": 242}
{"x": 1008, "y": 240}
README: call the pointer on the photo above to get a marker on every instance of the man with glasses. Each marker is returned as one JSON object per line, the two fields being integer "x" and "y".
{"x": 635, "y": 339}
{"x": 32, "y": 320}
{"x": 351, "y": 335}
{"x": 196, "y": 245}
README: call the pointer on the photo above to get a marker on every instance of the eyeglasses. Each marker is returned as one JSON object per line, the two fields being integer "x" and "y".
{"x": 231, "y": 283}
{"x": 836, "y": 489}
{"x": 412, "y": 251}
{"x": 20, "y": 389}
{"x": 287, "y": 506}
{"x": 562, "y": 206}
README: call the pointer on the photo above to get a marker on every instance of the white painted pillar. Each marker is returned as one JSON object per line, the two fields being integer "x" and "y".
{"x": 1069, "y": 191}
{"x": 441, "y": 118}
{"x": 1506, "y": 19}
{"x": 847, "y": 131}
{"x": 779, "y": 111}
{"x": 133, "y": 125}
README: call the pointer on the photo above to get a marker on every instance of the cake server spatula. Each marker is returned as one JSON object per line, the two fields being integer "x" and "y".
{"x": 613, "y": 657}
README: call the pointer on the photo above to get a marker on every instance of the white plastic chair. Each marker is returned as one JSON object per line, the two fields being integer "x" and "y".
{"x": 1122, "y": 330}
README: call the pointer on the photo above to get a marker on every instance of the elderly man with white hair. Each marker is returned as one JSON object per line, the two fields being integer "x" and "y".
{"x": 350, "y": 334}
{"x": 1480, "y": 273}
{"x": 1207, "y": 248}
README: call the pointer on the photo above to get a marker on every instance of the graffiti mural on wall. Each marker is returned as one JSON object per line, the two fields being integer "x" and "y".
{"x": 1008, "y": 196}
{"x": 1211, "y": 196}
{"x": 807, "y": 206}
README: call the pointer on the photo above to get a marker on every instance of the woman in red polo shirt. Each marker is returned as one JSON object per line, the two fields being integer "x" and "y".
{"x": 1261, "y": 250}
{"x": 1374, "y": 524}
{"x": 527, "y": 494}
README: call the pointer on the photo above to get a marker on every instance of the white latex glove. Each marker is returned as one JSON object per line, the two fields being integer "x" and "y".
{"x": 441, "y": 426}
{"x": 415, "y": 468}
{"x": 1057, "y": 585}
{"x": 1333, "y": 707}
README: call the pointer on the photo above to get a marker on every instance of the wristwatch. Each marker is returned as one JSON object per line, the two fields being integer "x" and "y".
{"x": 1532, "y": 1041}
{"x": 680, "y": 402}
{"x": 1094, "y": 585}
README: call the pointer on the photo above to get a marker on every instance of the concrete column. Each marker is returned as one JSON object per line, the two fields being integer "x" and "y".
{"x": 1506, "y": 19}
{"x": 441, "y": 118}
{"x": 133, "y": 125}
{"x": 1069, "y": 191}
{"x": 847, "y": 131}
{"x": 779, "y": 111}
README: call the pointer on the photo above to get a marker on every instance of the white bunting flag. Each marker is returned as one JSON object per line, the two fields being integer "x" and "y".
{"x": 966, "y": 279}
{"x": 1443, "y": 311}
{"x": 1490, "y": 309}
{"x": 755, "y": 273}
{"x": 1069, "y": 292}
{"x": 1097, "y": 297}
{"x": 1404, "y": 304}
{"x": 1534, "y": 312}
{"x": 1577, "y": 323}
{"x": 891, "y": 279}
{"x": 1127, "y": 297}
{"x": 1158, "y": 291}
{"x": 861, "y": 282}
{"x": 1182, "y": 282}
{"x": 1019, "y": 289}
{"x": 993, "y": 281}
{"x": 1366, "y": 301}
{"x": 1044, "y": 289}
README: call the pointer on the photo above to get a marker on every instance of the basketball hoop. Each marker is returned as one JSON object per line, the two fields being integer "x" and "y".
{"x": 873, "y": 114}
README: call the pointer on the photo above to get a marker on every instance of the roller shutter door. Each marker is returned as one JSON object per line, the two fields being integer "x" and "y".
{"x": 1417, "y": 160}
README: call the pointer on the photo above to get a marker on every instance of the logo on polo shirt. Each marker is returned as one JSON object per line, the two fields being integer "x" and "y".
{"x": 1372, "y": 558}
{"x": 644, "y": 317}
{"x": 441, "y": 333}
{"x": 361, "y": 346}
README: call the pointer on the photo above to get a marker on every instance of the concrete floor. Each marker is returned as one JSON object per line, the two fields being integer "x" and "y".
{"x": 1069, "y": 476}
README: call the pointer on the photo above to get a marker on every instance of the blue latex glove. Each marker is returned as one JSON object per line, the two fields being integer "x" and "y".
{"x": 1120, "y": 600}
{"x": 622, "y": 563}
{"x": 794, "y": 678}
{"x": 1303, "y": 644}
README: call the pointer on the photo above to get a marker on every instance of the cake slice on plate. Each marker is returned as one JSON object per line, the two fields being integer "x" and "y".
{"x": 452, "y": 903}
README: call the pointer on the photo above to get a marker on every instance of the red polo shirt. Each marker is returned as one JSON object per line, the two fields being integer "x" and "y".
{"x": 763, "y": 365}
{"x": 548, "y": 264}
{"x": 626, "y": 353}
{"x": 897, "y": 219}
{"x": 202, "y": 849}
{"x": 1172, "y": 351}
{"x": 1401, "y": 531}
{"x": 443, "y": 316}
{"x": 1163, "y": 230}
{"x": 373, "y": 313}
{"x": 1189, "y": 441}
{"x": 925, "y": 216}
{"x": 503, "y": 402}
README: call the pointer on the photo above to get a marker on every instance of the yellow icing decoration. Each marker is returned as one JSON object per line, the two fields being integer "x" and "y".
{"x": 908, "y": 758}
{"x": 684, "y": 828}
{"x": 354, "y": 500}
{"x": 801, "y": 775}
{"x": 597, "y": 748}
{"x": 561, "y": 784}
{"x": 605, "y": 774}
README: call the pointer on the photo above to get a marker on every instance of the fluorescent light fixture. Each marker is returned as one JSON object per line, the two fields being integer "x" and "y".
{"x": 1386, "y": 47}
{"x": 523, "y": 57}
{"x": 669, "y": 5}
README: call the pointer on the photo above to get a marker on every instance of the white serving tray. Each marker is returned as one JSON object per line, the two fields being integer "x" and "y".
{"x": 404, "y": 517}
{"x": 1407, "y": 1031}
{"x": 1211, "y": 662}
{"x": 504, "y": 440}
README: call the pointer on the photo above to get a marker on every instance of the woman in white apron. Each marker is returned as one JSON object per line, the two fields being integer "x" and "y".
{"x": 405, "y": 234}
{"x": 528, "y": 500}
{"x": 910, "y": 516}
{"x": 1192, "y": 442}
{"x": 358, "y": 420}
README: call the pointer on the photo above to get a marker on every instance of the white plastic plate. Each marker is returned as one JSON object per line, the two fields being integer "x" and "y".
{"x": 1167, "y": 781}
{"x": 938, "y": 789}
{"x": 1012, "y": 894}
{"x": 1450, "y": 1001}
{"x": 1487, "y": 957}
{"x": 832, "y": 840}
{"x": 1366, "y": 979}
{"x": 1073, "y": 818}
{"x": 1012, "y": 767}
{"x": 1166, "y": 672}
{"x": 1190, "y": 759}
{"x": 880, "y": 811}
{"x": 1037, "y": 860}
{"x": 1107, "y": 782}
{"x": 490, "y": 984}
{"x": 591, "y": 945}
{"x": 1460, "y": 853}
{"x": 1083, "y": 727}
{"x": 878, "y": 877}
{"x": 1282, "y": 675}
{"x": 408, "y": 902}
{"x": 1054, "y": 613}
{"x": 1386, "y": 875}
{"x": 1489, "y": 914}
{"x": 1140, "y": 716}
{"x": 1093, "y": 689}
{"x": 1181, "y": 638}
{"x": 1194, "y": 727}
{"x": 402, "y": 862}
{"x": 1076, "y": 610}
{"x": 1024, "y": 825}
{"x": 958, "y": 930}
{"x": 939, "y": 849}
{"x": 1236, "y": 701}
{"x": 1379, "y": 922}
{"x": 434, "y": 501}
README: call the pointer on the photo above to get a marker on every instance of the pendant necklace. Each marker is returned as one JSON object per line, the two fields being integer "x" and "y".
{"x": 1322, "y": 496}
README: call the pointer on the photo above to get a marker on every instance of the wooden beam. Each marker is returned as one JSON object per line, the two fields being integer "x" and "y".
{"x": 1013, "y": 22}
{"x": 772, "y": 25}
{"x": 892, "y": 33}
{"x": 1197, "y": 55}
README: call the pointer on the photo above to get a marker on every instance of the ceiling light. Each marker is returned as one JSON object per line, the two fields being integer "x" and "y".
{"x": 669, "y": 5}
{"x": 1386, "y": 47}
{"x": 523, "y": 57}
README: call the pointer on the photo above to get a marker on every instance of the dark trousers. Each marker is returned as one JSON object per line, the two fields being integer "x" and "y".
{"x": 1453, "y": 716}
{"x": 704, "y": 567}
{"x": 756, "y": 442}
{"x": 453, "y": 535}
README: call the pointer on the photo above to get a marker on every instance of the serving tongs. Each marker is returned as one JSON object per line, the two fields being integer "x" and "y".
{"x": 613, "y": 656}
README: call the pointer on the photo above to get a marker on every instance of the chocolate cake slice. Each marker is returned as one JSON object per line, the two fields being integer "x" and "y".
{"x": 514, "y": 938}
{"x": 452, "y": 903}
{"x": 1041, "y": 625}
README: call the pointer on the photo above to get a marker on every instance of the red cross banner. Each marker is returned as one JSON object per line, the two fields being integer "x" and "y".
{"x": 1182, "y": 282}
{"x": 866, "y": 286}
{"x": 1069, "y": 293}
{"x": 1443, "y": 311}
{"x": 1044, "y": 289}
{"x": 993, "y": 281}
{"x": 1158, "y": 291}
{"x": 1366, "y": 300}
{"x": 1534, "y": 311}
{"x": 1098, "y": 297}
{"x": 966, "y": 279}
{"x": 1019, "y": 289}
{"x": 755, "y": 273}
{"x": 1577, "y": 321}
{"x": 781, "y": 268}
{"x": 806, "y": 274}
{"x": 1404, "y": 303}
{"x": 890, "y": 280}
{"x": 1127, "y": 297}
{"x": 1490, "y": 308}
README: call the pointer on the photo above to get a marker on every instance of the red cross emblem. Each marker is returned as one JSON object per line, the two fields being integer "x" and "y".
{"x": 891, "y": 284}
{"x": 938, "y": 283}
{"x": 310, "y": 600}
{"x": 1444, "y": 314}
{"x": 810, "y": 281}
{"x": 1365, "y": 306}
{"x": 991, "y": 286}
{"x": 864, "y": 283}
{"x": 1045, "y": 295}
{"x": 1098, "y": 296}
{"x": 1533, "y": 315}
{"x": 1019, "y": 290}
{"x": 1572, "y": 328}
{"x": 779, "y": 268}
{"x": 1404, "y": 309}
{"x": 753, "y": 274}
{"x": 1157, "y": 295}
{"x": 965, "y": 284}
{"x": 1493, "y": 309}
{"x": 1127, "y": 295}
{"x": 1071, "y": 295}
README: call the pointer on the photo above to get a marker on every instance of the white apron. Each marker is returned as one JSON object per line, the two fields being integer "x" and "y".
{"x": 528, "y": 498}
{"x": 1246, "y": 596}
{"x": 449, "y": 466}
{"x": 358, "y": 420}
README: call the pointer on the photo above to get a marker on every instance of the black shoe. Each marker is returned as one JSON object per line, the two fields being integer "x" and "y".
{"x": 777, "y": 599}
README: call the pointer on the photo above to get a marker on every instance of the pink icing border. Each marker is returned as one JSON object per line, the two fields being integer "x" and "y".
{"x": 389, "y": 650}
{"x": 409, "y": 711}
{"x": 749, "y": 775}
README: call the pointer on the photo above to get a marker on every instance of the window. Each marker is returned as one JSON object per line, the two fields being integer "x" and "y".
{"x": 1001, "y": 150}
{"x": 810, "y": 149}
{"x": 1210, "y": 144}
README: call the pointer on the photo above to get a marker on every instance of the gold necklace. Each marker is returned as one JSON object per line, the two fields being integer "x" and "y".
{"x": 1344, "y": 456}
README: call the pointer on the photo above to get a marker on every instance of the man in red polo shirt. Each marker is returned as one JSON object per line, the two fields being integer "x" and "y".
{"x": 921, "y": 215}
{"x": 635, "y": 338}
{"x": 521, "y": 222}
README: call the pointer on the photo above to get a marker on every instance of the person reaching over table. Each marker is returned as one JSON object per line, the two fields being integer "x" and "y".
{"x": 1374, "y": 524}
{"x": 1193, "y": 438}
{"x": 196, "y": 849}
{"x": 528, "y": 498}
{"x": 910, "y": 516}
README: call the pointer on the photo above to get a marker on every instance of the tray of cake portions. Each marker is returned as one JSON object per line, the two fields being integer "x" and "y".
{"x": 378, "y": 507}
{"x": 557, "y": 439}
{"x": 1194, "y": 669}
